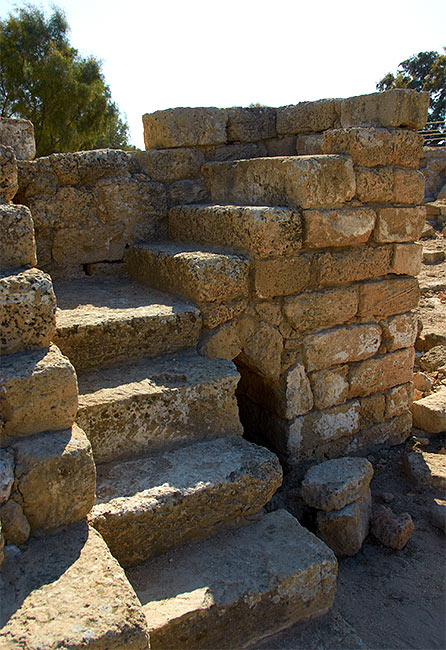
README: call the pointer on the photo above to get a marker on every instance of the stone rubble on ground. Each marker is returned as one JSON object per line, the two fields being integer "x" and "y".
{"x": 390, "y": 529}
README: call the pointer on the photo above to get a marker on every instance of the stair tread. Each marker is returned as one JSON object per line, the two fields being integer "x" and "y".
{"x": 68, "y": 591}
{"x": 236, "y": 586}
{"x": 146, "y": 505}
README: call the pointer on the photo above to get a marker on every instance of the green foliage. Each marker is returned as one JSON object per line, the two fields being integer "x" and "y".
{"x": 423, "y": 71}
{"x": 45, "y": 80}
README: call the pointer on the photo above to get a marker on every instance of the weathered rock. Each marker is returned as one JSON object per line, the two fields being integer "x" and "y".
{"x": 261, "y": 345}
{"x": 104, "y": 322}
{"x": 307, "y": 116}
{"x": 284, "y": 145}
{"x": 422, "y": 382}
{"x": 407, "y": 259}
{"x": 345, "y": 530}
{"x": 438, "y": 514}
{"x": 389, "y": 185}
{"x": 19, "y": 135}
{"x": 55, "y": 478}
{"x": 67, "y": 591}
{"x": 251, "y": 124}
{"x": 317, "y": 309}
{"x": 190, "y": 190}
{"x": 392, "y": 108}
{"x": 296, "y": 392}
{"x": 28, "y": 307}
{"x": 8, "y": 174}
{"x": 131, "y": 409}
{"x": 336, "y": 483}
{"x": 399, "y": 400}
{"x": 399, "y": 224}
{"x": 429, "y": 413}
{"x": 381, "y": 373}
{"x": 293, "y": 181}
{"x": 6, "y": 474}
{"x": 38, "y": 393}
{"x": 147, "y": 506}
{"x": 183, "y": 270}
{"x": 223, "y": 342}
{"x": 342, "y": 227}
{"x": 434, "y": 359}
{"x": 433, "y": 257}
{"x": 391, "y": 530}
{"x": 340, "y": 345}
{"x": 15, "y": 525}
{"x": 17, "y": 243}
{"x": 382, "y": 298}
{"x": 386, "y": 432}
{"x": 399, "y": 331}
{"x": 426, "y": 469}
{"x": 262, "y": 231}
{"x": 283, "y": 276}
{"x": 184, "y": 127}
{"x": 288, "y": 576}
{"x": 167, "y": 165}
{"x": 373, "y": 408}
{"x": 330, "y": 387}
{"x": 339, "y": 267}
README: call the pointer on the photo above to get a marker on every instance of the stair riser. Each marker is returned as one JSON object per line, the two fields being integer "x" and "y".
{"x": 144, "y": 422}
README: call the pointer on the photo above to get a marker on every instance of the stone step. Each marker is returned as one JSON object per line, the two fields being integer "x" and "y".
{"x": 237, "y": 586}
{"x": 67, "y": 591}
{"x": 198, "y": 274}
{"x": 103, "y": 322}
{"x": 323, "y": 181}
{"x": 146, "y": 506}
{"x": 260, "y": 231}
{"x": 155, "y": 402}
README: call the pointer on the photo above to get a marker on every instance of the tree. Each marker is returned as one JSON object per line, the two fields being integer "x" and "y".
{"x": 45, "y": 80}
{"x": 423, "y": 71}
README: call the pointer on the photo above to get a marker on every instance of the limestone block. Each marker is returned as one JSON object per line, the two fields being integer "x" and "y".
{"x": 55, "y": 478}
{"x": 389, "y": 185}
{"x": 407, "y": 259}
{"x": 27, "y": 308}
{"x": 8, "y": 174}
{"x": 284, "y": 146}
{"x": 426, "y": 469}
{"x": 235, "y": 151}
{"x": 317, "y": 309}
{"x": 67, "y": 591}
{"x": 400, "y": 331}
{"x": 370, "y": 147}
{"x": 339, "y": 267}
{"x": 309, "y": 144}
{"x": 391, "y": 530}
{"x": 334, "y": 423}
{"x": 214, "y": 314}
{"x": 261, "y": 231}
{"x": 381, "y": 373}
{"x": 17, "y": 243}
{"x": 291, "y": 181}
{"x": 283, "y": 276}
{"x": 288, "y": 576}
{"x": 187, "y": 191}
{"x": 14, "y": 524}
{"x": 308, "y": 116}
{"x": 6, "y": 474}
{"x": 184, "y": 127}
{"x": 18, "y": 134}
{"x": 434, "y": 359}
{"x": 385, "y": 297}
{"x": 342, "y": 227}
{"x": 168, "y": 165}
{"x": 399, "y": 400}
{"x": 345, "y": 530}
{"x": 387, "y": 432}
{"x": 333, "y": 484}
{"x": 251, "y": 124}
{"x": 399, "y": 224}
{"x": 330, "y": 387}
{"x": 373, "y": 410}
{"x": 422, "y": 382}
{"x": 340, "y": 345}
{"x": 223, "y": 342}
{"x": 262, "y": 346}
{"x": 297, "y": 397}
{"x": 429, "y": 413}
{"x": 38, "y": 393}
{"x": 391, "y": 108}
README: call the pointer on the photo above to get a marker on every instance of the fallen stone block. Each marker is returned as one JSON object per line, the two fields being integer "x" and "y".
{"x": 426, "y": 469}
{"x": 434, "y": 359}
{"x": 390, "y": 529}
{"x": 429, "y": 413}
{"x": 333, "y": 484}
{"x": 345, "y": 530}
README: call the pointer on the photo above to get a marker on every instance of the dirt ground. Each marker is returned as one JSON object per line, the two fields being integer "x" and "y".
{"x": 386, "y": 599}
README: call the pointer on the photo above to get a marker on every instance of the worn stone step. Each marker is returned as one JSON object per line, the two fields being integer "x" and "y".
{"x": 104, "y": 322}
{"x": 237, "y": 586}
{"x": 67, "y": 591}
{"x": 149, "y": 505}
{"x": 323, "y": 181}
{"x": 261, "y": 231}
{"x": 155, "y": 402}
{"x": 198, "y": 274}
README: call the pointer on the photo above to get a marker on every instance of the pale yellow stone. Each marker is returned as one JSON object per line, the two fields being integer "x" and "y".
{"x": 342, "y": 227}
{"x": 340, "y": 345}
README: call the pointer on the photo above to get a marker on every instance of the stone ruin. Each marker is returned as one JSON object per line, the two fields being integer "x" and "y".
{"x": 252, "y": 272}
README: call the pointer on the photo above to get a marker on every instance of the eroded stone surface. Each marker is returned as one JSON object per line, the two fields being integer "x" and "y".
{"x": 390, "y": 529}
{"x": 345, "y": 530}
{"x": 399, "y": 224}
{"x": 68, "y": 591}
{"x": 6, "y": 474}
{"x": 382, "y": 372}
{"x": 8, "y": 174}
{"x": 15, "y": 525}
{"x": 340, "y": 345}
{"x": 184, "y": 127}
{"x": 321, "y": 308}
{"x": 429, "y": 413}
{"x": 336, "y": 483}
{"x": 382, "y": 298}
{"x": 19, "y": 135}
{"x": 211, "y": 595}
{"x": 343, "y": 227}
{"x": 391, "y": 108}
{"x": 17, "y": 244}
{"x": 426, "y": 469}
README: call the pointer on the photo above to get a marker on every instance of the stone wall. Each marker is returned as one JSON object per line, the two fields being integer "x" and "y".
{"x": 433, "y": 166}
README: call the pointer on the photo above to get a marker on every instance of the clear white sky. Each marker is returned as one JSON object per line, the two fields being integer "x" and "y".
{"x": 163, "y": 53}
